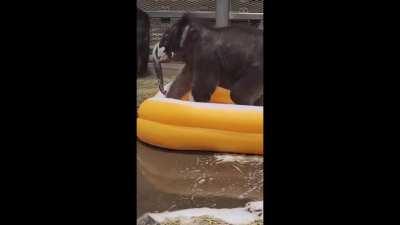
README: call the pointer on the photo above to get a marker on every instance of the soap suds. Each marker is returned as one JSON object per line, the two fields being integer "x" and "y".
{"x": 251, "y": 212}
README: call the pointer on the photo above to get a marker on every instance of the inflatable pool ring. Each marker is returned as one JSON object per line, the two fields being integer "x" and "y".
{"x": 219, "y": 126}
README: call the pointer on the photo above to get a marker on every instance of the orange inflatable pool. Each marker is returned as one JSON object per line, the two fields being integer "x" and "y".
{"x": 219, "y": 126}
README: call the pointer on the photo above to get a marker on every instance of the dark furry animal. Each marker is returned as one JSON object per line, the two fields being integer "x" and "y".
{"x": 142, "y": 42}
{"x": 230, "y": 57}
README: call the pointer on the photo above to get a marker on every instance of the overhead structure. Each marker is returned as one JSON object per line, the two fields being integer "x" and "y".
{"x": 164, "y": 13}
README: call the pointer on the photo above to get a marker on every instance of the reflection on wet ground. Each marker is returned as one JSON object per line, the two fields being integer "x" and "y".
{"x": 171, "y": 180}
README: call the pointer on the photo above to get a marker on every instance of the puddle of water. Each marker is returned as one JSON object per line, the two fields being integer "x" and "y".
{"x": 174, "y": 180}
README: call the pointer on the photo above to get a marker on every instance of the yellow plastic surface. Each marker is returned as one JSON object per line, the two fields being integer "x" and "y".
{"x": 216, "y": 126}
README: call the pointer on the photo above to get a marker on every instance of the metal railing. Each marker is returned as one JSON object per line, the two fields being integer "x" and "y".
{"x": 222, "y": 14}
{"x": 244, "y": 6}
{"x": 207, "y": 14}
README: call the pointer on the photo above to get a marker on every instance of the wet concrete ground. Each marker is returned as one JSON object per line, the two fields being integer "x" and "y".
{"x": 170, "y": 180}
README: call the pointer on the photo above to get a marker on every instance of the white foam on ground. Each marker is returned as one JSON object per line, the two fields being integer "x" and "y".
{"x": 255, "y": 206}
{"x": 235, "y": 216}
{"x": 220, "y": 158}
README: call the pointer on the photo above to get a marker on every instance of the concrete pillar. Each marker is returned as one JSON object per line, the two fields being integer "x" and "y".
{"x": 261, "y": 25}
{"x": 222, "y": 13}
{"x": 139, "y": 3}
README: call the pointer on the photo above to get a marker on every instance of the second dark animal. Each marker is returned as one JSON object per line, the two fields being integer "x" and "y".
{"x": 142, "y": 42}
